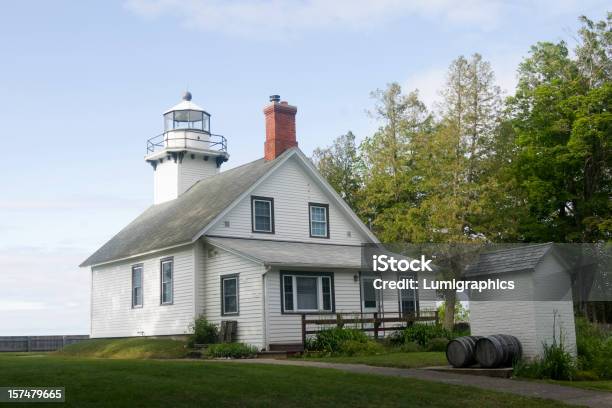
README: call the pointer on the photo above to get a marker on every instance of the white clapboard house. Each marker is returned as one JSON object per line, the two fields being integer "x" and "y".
{"x": 259, "y": 244}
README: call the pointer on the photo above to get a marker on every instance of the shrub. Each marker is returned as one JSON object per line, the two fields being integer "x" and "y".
{"x": 556, "y": 364}
{"x": 353, "y": 348}
{"x": 581, "y": 375}
{"x": 437, "y": 344}
{"x": 423, "y": 333}
{"x": 461, "y": 329}
{"x": 230, "y": 350}
{"x": 410, "y": 347}
{"x": 204, "y": 332}
{"x": 330, "y": 340}
{"x": 594, "y": 348}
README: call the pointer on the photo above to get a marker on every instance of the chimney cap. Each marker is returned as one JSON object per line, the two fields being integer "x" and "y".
{"x": 274, "y": 98}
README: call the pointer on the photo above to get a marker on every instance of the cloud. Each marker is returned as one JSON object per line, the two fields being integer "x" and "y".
{"x": 278, "y": 17}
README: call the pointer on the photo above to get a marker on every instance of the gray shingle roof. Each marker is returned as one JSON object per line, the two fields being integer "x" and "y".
{"x": 179, "y": 221}
{"x": 303, "y": 254}
{"x": 513, "y": 259}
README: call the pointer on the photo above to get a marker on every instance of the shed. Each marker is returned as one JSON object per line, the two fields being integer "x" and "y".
{"x": 538, "y": 311}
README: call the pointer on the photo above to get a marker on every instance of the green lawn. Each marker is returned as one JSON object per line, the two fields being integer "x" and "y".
{"x": 154, "y": 383}
{"x": 135, "y": 348}
{"x": 391, "y": 359}
{"x": 602, "y": 385}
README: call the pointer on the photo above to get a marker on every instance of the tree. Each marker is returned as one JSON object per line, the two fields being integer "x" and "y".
{"x": 561, "y": 113}
{"x": 340, "y": 164}
{"x": 451, "y": 165}
{"x": 388, "y": 155}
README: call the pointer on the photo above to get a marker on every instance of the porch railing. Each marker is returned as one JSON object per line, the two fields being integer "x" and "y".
{"x": 377, "y": 322}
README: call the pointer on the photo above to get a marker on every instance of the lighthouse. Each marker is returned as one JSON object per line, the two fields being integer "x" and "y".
{"x": 186, "y": 152}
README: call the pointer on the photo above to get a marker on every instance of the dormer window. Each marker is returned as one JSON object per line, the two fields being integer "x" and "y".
{"x": 319, "y": 220}
{"x": 262, "y": 214}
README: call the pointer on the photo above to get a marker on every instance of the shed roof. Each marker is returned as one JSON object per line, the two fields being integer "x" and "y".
{"x": 287, "y": 253}
{"x": 178, "y": 221}
{"x": 514, "y": 259}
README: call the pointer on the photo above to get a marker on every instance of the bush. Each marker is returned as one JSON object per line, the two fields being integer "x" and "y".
{"x": 594, "y": 349}
{"x": 556, "y": 364}
{"x": 422, "y": 334}
{"x": 410, "y": 347}
{"x": 437, "y": 344}
{"x": 330, "y": 340}
{"x": 204, "y": 332}
{"x": 230, "y": 350}
{"x": 353, "y": 348}
{"x": 581, "y": 375}
{"x": 461, "y": 329}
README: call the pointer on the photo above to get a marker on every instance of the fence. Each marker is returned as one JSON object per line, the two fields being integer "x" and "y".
{"x": 377, "y": 323}
{"x": 37, "y": 343}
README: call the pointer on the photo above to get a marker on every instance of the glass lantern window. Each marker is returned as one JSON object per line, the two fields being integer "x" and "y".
{"x": 187, "y": 119}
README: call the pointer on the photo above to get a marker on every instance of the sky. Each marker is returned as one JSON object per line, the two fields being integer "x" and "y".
{"x": 83, "y": 86}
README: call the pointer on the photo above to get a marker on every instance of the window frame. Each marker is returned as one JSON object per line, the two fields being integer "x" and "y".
{"x": 415, "y": 299}
{"x": 362, "y": 281}
{"x": 320, "y": 205}
{"x": 141, "y": 267}
{"x": 271, "y": 201}
{"x": 223, "y": 278}
{"x": 162, "y": 261}
{"x": 320, "y": 296}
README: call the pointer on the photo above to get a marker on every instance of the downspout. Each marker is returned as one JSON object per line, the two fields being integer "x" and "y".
{"x": 265, "y": 307}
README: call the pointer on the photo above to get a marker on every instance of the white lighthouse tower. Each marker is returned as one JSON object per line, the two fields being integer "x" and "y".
{"x": 186, "y": 152}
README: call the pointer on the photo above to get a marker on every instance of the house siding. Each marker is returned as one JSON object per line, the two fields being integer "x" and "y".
{"x": 292, "y": 189}
{"x": 287, "y": 328}
{"x": 190, "y": 171}
{"x": 219, "y": 262}
{"x": 165, "y": 181}
{"x": 112, "y": 314}
{"x": 520, "y": 312}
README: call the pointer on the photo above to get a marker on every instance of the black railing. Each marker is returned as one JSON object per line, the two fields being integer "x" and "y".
{"x": 178, "y": 139}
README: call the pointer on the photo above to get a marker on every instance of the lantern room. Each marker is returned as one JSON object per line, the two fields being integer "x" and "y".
{"x": 185, "y": 152}
{"x": 187, "y": 115}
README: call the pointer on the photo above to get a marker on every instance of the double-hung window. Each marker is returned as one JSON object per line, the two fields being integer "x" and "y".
{"x": 262, "y": 214}
{"x": 137, "y": 285}
{"x": 409, "y": 298}
{"x": 167, "y": 281}
{"x": 307, "y": 292}
{"x": 368, "y": 293}
{"x": 229, "y": 295}
{"x": 319, "y": 220}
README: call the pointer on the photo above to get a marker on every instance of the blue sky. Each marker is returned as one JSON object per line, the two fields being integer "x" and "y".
{"x": 83, "y": 85}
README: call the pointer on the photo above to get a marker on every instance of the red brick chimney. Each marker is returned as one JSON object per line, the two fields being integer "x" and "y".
{"x": 280, "y": 127}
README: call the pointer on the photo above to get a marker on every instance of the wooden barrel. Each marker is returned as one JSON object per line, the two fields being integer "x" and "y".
{"x": 461, "y": 351}
{"x": 498, "y": 350}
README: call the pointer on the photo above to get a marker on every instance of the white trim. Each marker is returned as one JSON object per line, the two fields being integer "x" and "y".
{"x": 330, "y": 190}
{"x": 269, "y": 201}
{"x": 139, "y": 255}
{"x": 235, "y": 252}
{"x": 308, "y": 166}
{"x": 319, "y": 288}
{"x": 246, "y": 193}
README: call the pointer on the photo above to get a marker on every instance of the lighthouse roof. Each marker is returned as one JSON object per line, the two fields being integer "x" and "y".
{"x": 185, "y": 104}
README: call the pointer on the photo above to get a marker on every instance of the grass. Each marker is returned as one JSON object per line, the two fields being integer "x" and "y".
{"x": 154, "y": 383}
{"x": 391, "y": 359}
{"x": 601, "y": 385}
{"x": 134, "y": 348}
